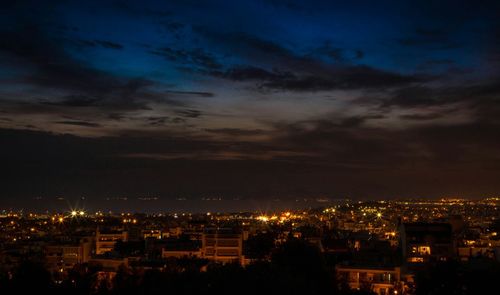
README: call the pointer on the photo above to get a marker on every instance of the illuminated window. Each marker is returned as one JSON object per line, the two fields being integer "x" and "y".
{"x": 416, "y": 259}
{"x": 424, "y": 250}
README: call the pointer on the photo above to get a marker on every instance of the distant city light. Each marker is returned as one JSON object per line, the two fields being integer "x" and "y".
{"x": 263, "y": 218}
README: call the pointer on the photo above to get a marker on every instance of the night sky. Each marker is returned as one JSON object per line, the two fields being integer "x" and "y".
{"x": 251, "y": 99}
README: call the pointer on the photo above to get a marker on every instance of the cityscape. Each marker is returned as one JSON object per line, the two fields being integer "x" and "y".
{"x": 250, "y": 147}
{"x": 352, "y": 247}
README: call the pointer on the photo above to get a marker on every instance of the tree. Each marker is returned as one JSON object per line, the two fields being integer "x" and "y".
{"x": 259, "y": 246}
{"x": 32, "y": 277}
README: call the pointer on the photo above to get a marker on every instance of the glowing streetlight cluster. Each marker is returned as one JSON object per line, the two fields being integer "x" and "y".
{"x": 75, "y": 213}
{"x": 282, "y": 218}
{"x": 134, "y": 221}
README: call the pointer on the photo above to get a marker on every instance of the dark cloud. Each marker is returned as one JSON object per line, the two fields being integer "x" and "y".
{"x": 165, "y": 120}
{"x": 236, "y": 131}
{"x": 178, "y": 120}
{"x": 329, "y": 156}
{"x": 413, "y": 97}
{"x": 422, "y": 117}
{"x": 250, "y": 73}
{"x": 357, "y": 121}
{"x": 376, "y": 148}
{"x": 255, "y": 50}
{"x": 79, "y": 123}
{"x": 248, "y": 44}
{"x": 55, "y": 69}
{"x": 74, "y": 101}
{"x": 158, "y": 121}
{"x": 67, "y": 86}
{"x": 72, "y": 166}
{"x": 392, "y": 120}
{"x": 192, "y": 93}
{"x": 189, "y": 113}
{"x": 116, "y": 116}
{"x": 291, "y": 71}
{"x": 481, "y": 98}
{"x": 350, "y": 77}
{"x": 81, "y": 44}
{"x": 338, "y": 54}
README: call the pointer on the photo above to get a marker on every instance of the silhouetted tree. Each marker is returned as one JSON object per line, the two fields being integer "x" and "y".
{"x": 32, "y": 277}
{"x": 259, "y": 246}
{"x": 301, "y": 266}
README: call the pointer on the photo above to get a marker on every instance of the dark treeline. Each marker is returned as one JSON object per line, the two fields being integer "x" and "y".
{"x": 295, "y": 268}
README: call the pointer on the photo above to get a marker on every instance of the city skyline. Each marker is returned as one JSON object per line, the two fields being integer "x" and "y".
{"x": 257, "y": 100}
{"x": 372, "y": 247}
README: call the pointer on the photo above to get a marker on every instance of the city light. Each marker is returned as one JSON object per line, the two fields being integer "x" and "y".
{"x": 263, "y": 218}
{"x": 306, "y": 225}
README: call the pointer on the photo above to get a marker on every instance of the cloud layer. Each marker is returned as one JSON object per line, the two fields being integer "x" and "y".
{"x": 311, "y": 98}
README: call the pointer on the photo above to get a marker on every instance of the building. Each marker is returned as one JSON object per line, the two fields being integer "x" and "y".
{"x": 152, "y": 233}
{"x": 426, "y": 242}
{"x": 61, "y": 257}
{"x": 168, "y": 253}
{"x": 106, "y": 240}
{"x": 109, "y": 264}
{"x": 182, "y": 247}
{"x": 222, "y": 245}
{"x": 380, "y": 280}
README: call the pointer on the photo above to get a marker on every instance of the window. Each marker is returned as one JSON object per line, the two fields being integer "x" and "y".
{"x": 424, "y": 250}
{"x": 415, "y": 259}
